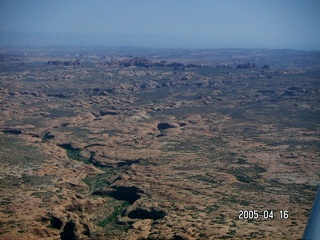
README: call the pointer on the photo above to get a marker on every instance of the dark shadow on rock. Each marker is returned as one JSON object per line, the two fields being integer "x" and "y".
{"x": 129, "y": 194}
{"x": 12, "y": 131}
{"x": 140, "y": 213}
{"x": 105, "y": 112}
{"x": 86, "y": 230}
{"x": 56, "y": 223}
{"x": 69, "y": 231}
{"x": 163, "y": 126}
{"x": 68, "y": 146}
{"x": 95, "y": 145}
{"x": 127, "y": 162}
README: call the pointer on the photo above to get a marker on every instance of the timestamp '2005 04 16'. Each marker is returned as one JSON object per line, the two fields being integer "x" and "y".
{"x": 266, "y": 214}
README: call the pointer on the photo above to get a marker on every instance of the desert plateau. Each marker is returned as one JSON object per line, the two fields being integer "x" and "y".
{"x": 134, "y": 143}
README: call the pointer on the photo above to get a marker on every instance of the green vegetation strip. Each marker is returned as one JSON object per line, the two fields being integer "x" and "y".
{"x": 116, "y": 212}
{"x": 98, "y": 182}
{"x": 75, "y": 155}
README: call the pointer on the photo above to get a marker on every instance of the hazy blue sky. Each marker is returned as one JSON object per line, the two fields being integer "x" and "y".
{"x": 202, "y": 23}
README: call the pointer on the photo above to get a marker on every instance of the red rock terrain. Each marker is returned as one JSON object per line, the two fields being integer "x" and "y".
{"x": 95, "y": 151}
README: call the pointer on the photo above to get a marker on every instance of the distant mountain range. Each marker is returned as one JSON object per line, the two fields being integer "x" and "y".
{"x": 112, "y": 40}
{"x": 61, "y": 39}
{"x": 120, "y": 40}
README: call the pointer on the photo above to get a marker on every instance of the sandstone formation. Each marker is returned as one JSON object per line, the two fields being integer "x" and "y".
{"x": 145, "y": 63}
{"x": 130, "y": 149}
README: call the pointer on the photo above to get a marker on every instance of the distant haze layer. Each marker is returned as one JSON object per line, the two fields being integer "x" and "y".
{"x": 162, "y": 24}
